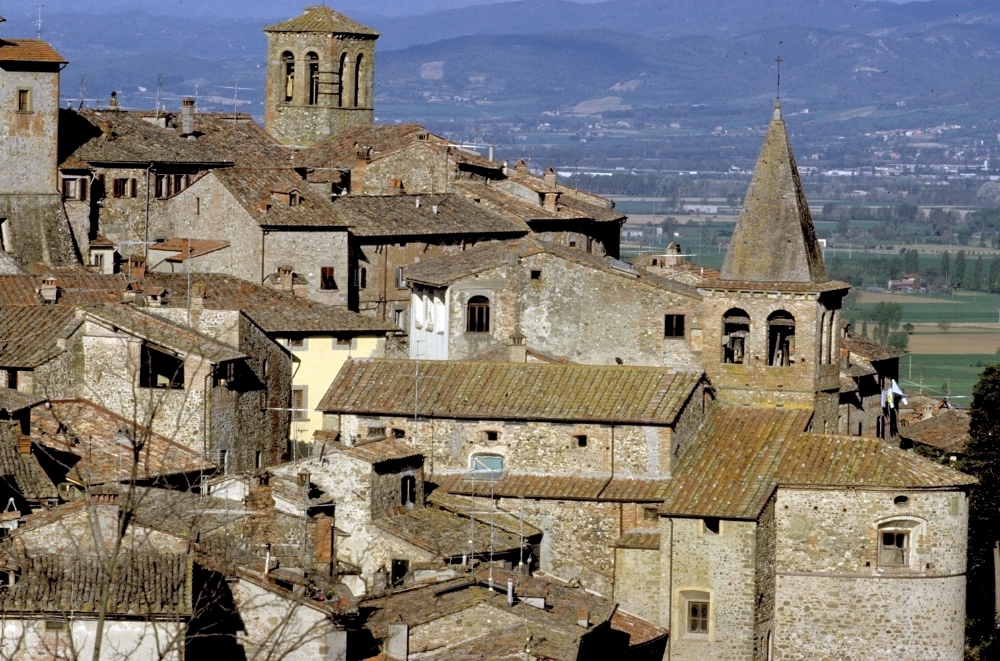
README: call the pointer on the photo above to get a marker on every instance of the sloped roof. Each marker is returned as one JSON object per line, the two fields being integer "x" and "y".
{"x": 870, "y": 349}
{"x": 639, "y": 539}
{"x": 523, "y": 391}
{"x": 774, "y": 239}
{"x": 28, "y": 50}
{"x": 29, "y": 335}
{"x": 742, "y": 454}
{"x": 446, "y": 270}
{"x": 376, "y": 452}
{"x": 147, "y": 585}
{"x": 254, "y": 188}
{"x": 320, "y": 18}
{"x": 340, "y": 150}
{"x": 447, "y": 535}
{"x": 398, "y": 215}
{"x": 22, "y": 470}
{"x": 558, "y": 487}
{"x": 89, "y": 443}
{"x": 948, "y": 431}
{"x": 18, "y": 400}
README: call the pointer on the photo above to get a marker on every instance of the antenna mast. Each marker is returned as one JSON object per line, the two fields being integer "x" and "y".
{"x": 39, "y": 24}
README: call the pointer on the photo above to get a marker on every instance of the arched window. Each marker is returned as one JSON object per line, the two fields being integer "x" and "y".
{"x": 478, "y": 315}
{"x": 780, "y": 339}
{"x": 288, "y": 74}
{"x": 340, "y": 80}
{"x": 312, "y": 61}
{"x": 735, "y": 330}
{"x": 487, "y": 463}
{"x": 357, "y": 79}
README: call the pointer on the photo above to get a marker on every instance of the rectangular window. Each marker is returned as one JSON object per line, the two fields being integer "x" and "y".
{"x": 297, "y": 343}
{"x": 581, "y": 441}
{"x": 698, "y": 617}
{"x": 400, "y": 280}
{"x": 650, "y": 514}
{"x": 69, "y": 189}
{"x": 197, "y": 206}
{"x": 491, "y": 435}
{"x": 327, "y": 278}
{"x": 161, "y": 185}
{"x": 361, "y": 277}
{"x": 345, "y": 342}
{"x": 399, "y": 433}
{"x": 712, "y": 525}
{"x": 399, "y": 318}
{"x": 258, "y": 459}
{"x": 673, "y": 325}
{"x": 536, "y": 275}
{"x": 894, "y": 549}
{"x": 119, "y": 187}
{"x": 97, "y": 259}
{"x": 24, "y": 100}
{"x": 133, "y": 188}
{"x": 300, "y": 404}
{"x": 160, "y": 369}
{"x": 408, "y": 491}
{"x": 4, "y": 235}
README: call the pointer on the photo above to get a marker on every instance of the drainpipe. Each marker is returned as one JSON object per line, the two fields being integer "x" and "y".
{"x": 670, "y": 594}
{"x": 263, "y": 237}
{"x": 145, "y": 247}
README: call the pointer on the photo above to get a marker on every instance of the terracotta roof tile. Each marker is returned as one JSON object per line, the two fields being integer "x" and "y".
{"x": 89, "y": 443}
{"x": 18, "y": 400}
{"x": 870, "y": 349}
{"x": 340, "y": 151}
{"x": 524, "y": 391}
{"x": 29, "y": 335}
{"x": 948, "y": 431}
{"x": 22, "y": 471}
{"x": 743, "y": 454}
{"x": 631, "y": 490}
{"x": 447, "y": 535}
{"x": 378, "y": 451}
{"x": 320, "y": 18}
{"x": 554, "y": 487}
{"x": 395, "y": 215}
{"x": 28, "y": 50}
{"x": 786, "y": 287}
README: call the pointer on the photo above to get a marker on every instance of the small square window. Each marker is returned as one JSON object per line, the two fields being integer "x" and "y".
{"x": 344, "y": 342}
{"x": 894, "y": 548}
{"x": 398, "y": 433}
{"x": 581, "y": 441}
{"x": 650, "y": 514}
{"x": 297, "y": 343}
{"x": 491, "y": 435}
{"x": 698, "y": 617}
{"x": 536, "y": 275}
{"x": 712, "y": 525}
{"x": 673, "y": 325}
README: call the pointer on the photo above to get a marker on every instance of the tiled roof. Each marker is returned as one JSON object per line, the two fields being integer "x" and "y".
{"x": 639, "y": 539}
{"x": 28, "y": 50}
{"x": 83, "y": 289}
{"x": 447, "y": 535}
{"x": 154, "y": 329}
{"x": 92, "y": 445}
{"x": 632, "y": 490}
{"x": 469, "y": 506}
{"x": 640, "y": 631}
{"x": 443, "y": 271}
{"x": 21, "y": 471}
{"x": 187, "y": 248}
{"x": 514, "y": 207}
{"x": 948, "y": 431}
{"x": 142, "y": 585}
{"x": 29, "y": 335}
{"x": 520, "y": 391}
{"x": 775, "y": 286}
{"x": 398, "y": 215}
{"x": 742, "y": 454}
{"x": 125, "y": 137}
{"x": 254, "y": 189}
{"x": 378, "y": 451}
{"x": 870, "y": 349}
{"x": 340, "y": 151}
{"x": 553, "y": 487}
{"x": 322, "y": 19}
{"x": 17, "y": 400}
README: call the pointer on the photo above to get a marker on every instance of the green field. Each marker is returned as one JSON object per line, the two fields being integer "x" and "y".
{"x": 943, "y": 375}
{"x": 962, "y": 308}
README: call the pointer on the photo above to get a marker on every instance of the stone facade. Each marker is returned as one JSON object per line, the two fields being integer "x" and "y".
{"x": 30, "y": 133}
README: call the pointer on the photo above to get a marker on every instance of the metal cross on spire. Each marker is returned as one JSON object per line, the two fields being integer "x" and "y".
{"x": 777, "y": 96}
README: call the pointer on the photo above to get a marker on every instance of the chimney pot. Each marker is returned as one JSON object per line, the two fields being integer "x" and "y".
{"x": 550, "y": 177}
{"x": 50, "y": 290}
{"x": 510, "y": 592}
{"x": 24, "y": 444}
{"x": 113, "y": 103}
{"x": 518, "y": 348}
{"x": 187, "y": 116}
{"x": 137, "y": 267}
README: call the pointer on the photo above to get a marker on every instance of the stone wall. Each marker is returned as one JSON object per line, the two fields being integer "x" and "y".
{"x": 829, "y": 579}
{"x": 637, "y": 582}
{"x": 720, "y": 567}
{"x": 307, "y": 252}
{"x": 299, "y": 124}
{"x": 274, "y": 625}
{"x": 29, "y": 139}
{"x": 30, "y": 640}
{"x": 423, "y": 168}
{"x": 387, "y": 481}
{"x": 764, "y": 584}
{"x": 573, "y": 310}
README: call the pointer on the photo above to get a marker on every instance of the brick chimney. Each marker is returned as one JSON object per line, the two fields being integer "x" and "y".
{"x": 136, "y": 267}
{"x": 49, "y": 290}
{"x": 550, "y": 177}
{"x": 521, "y": 166}
{"x": 518, "y": 348}
{"x": 549, "y": 201}
{"x": 23, "y": 444}
{"x": 325, "y": 547}
{"x": 187, "y": 117}
{"x": 361, "y": 161}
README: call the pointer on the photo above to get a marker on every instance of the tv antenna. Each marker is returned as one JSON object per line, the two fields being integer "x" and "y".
{"x": 39, "y": 23}
{"x": 777, "y": 96}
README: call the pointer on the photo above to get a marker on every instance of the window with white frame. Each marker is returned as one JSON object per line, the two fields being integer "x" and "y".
{"x": 696, "y": 611}
{"x": 895, "y": 542}
{"x": 487, "y": 463}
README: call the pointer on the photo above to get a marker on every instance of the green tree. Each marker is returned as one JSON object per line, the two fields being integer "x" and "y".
{"x": 887, "y": 317}
{"x": 911, "y": 261}
{"x": 993, "y": 284}
{"x": 946, "y": 266}
{"x": 974, "y": 278}
{"x": 864, "y": 328}
{"x": 959, "y": 275}
{"x": 983, "y": 462}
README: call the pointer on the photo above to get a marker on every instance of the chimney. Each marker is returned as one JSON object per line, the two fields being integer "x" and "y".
{"x": 323, "y": 560}
{"x": 50, "y": 290}
{"x": 549, "y": 201}
{"x": 520, "y": 166}
{"x": 550, "y": 177}
{"x": 583, "y": 619}
{"x": 113, "y": 103}
{"x": 398, "y": 644}
{"x": 396, "y": 187}
{"x": 197, "y": 297}
{"x": 137, "y": 267}
{"x": 24, "y": 444}
{"x": 518, "y": 348}
{"x": 187, "y": 117}
{"x": 286, "y": 277}
{"x": 363, "y": 157}
{"x": 302, "y": 479}
{"x": 510, "y": 592}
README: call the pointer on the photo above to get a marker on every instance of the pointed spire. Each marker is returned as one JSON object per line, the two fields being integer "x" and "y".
{"x": 775, "y": 240}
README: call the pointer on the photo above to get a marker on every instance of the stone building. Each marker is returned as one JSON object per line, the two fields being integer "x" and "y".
{"x": 320, "y": 76}
{"x": 470, "y": 304}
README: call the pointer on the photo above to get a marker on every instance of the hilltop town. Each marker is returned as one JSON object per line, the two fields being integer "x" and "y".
{"x": 333, "y": 389}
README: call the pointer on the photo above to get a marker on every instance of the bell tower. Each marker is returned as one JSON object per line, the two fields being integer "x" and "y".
{"x": 772, "y": 319}
{"x": 320, "y": 76}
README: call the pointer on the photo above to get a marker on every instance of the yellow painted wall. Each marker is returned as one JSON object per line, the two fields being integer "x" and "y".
{"x": 315, "y": 365}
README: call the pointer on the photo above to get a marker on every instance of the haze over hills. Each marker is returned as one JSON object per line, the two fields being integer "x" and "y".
{"x": 702, "y": 63}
